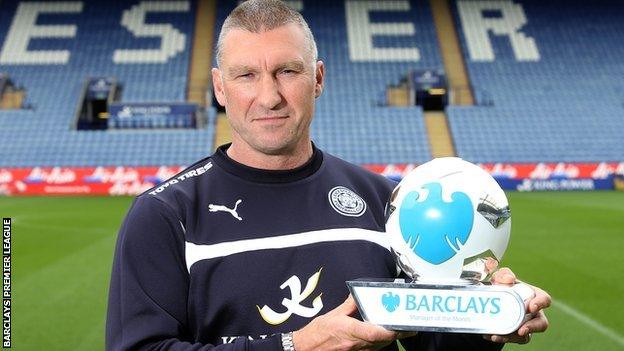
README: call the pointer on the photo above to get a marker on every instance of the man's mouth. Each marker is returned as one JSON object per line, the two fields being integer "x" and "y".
{"x": 270, "y": 118}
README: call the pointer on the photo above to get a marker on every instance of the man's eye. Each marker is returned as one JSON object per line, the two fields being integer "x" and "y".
{"x": 245, "y": 75}
{"x": 289, "y": 71}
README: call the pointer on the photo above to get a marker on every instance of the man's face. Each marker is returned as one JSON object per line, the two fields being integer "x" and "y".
{"x": 267, "y": 83}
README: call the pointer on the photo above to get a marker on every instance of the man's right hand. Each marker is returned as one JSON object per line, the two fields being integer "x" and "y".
{"x": 337, "y": 330}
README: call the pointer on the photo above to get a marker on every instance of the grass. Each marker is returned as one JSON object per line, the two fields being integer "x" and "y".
{"x": 62, "y": 254}
{"x": 568, "y": 243}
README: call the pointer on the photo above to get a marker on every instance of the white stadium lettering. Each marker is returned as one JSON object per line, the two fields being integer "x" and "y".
{"x": 24, "y": 28}
{"x": 360, "y": 31}
{"x": 476, "y": 28}
{"x": 172, "y": 40}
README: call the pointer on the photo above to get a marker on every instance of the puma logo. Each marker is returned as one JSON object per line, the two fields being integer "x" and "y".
{"x": 222, "y": 208}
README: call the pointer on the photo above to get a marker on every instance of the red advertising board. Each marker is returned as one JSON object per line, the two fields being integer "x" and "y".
{"x": 82, "y": 180}
{"x": 523, "y": 170}
{"x": 135, "y": 180}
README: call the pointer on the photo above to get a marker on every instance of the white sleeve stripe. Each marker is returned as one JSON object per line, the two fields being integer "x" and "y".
{"x": 197, "y": 252}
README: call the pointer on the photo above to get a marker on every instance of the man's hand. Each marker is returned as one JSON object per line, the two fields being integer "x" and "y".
{"x": 337, "y": 330}
{"x": 537, "y": 324}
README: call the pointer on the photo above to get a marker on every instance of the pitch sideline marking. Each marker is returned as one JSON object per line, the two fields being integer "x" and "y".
{"x": 583, "y": 318}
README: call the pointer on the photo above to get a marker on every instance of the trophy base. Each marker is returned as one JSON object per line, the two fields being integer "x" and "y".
{"x": 459, "y": 307}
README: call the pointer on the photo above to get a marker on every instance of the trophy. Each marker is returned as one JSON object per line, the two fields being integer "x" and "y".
{"x": 448, "y": 223}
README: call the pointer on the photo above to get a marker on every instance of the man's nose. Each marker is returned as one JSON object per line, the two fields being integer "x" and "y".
{"x": 269, "y": 95}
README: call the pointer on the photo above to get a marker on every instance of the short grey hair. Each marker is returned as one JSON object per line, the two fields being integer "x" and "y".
{"x": 257, "y": 16}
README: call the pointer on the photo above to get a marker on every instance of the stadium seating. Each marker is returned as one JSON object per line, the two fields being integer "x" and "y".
{"x": 43, "y": 136}
{"x": 561, "y": 100}
{"x": 565, "y": 106}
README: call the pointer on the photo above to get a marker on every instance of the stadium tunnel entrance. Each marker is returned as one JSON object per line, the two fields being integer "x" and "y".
{"x": 97, "y": 94}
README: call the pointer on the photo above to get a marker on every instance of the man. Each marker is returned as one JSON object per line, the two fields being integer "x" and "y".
{"x": 250, "y": 248}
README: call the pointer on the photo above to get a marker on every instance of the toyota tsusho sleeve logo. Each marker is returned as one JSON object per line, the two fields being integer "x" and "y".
{"x": 346, "y": 202}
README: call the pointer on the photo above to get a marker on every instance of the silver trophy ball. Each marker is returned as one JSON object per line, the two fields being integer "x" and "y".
{"x": 448, "y": 221}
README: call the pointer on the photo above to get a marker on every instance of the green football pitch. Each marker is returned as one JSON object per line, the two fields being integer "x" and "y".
{"x": 568, "y": 243}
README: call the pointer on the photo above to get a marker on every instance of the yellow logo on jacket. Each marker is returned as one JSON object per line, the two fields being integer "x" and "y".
{"x": 294, "y": 304}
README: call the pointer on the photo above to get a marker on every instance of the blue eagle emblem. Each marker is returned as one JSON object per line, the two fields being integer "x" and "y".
{"x": 390, "y": 301}
{"x": 434, "y": 229}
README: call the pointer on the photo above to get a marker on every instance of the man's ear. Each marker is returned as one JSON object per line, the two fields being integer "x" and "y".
{"x": 320, "y": 76}
{"x": 217, "y": 85}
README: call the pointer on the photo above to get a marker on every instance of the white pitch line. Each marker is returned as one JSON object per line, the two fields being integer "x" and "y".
{"x": 583, "y": 318}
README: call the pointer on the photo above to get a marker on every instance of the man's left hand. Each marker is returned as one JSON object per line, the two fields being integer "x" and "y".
{"x": 534, "y": 306}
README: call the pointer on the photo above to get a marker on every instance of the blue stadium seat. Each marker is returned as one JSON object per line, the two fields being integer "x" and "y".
{"x": 43, "y": 136}
{"x": 565, "y": 107}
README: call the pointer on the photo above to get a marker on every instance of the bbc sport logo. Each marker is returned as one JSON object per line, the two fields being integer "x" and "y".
{"x": 390, "y": 301}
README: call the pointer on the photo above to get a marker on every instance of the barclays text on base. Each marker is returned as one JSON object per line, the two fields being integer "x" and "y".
{"x": 452, "y": 303}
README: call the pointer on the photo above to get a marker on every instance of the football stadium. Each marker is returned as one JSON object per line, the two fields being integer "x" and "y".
{"x": 103, "y": 100}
